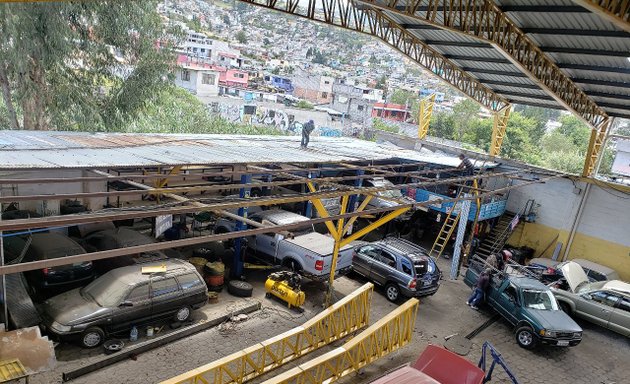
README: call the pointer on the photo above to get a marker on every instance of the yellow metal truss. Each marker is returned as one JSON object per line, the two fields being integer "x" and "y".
{"x": 161, "y": 183}
{"x": 424, "y": 118}
{"x": 390, "y": 333}
{"x": 501, "y": 119}
{"x": 484, "y": 20}
{"x": 595, "y": 147}
{"x": 617, "y": 11}
{"x": 336, "y": 322}
{"x": 370, "y": 20}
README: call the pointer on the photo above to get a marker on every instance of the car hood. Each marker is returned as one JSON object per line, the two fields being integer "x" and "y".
{"x": 574, "y": 274}
{"x": 554, "y": 320}
{"x": 70, "y": 308}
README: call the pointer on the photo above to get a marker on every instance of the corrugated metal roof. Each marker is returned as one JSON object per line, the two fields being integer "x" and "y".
{"x": 563, "y": 29}
{"x": 49, "y": 149}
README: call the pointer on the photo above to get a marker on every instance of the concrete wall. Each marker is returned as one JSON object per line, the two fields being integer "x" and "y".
{"x": 603, "y": 231}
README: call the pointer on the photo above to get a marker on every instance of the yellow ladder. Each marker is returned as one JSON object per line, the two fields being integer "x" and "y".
{"x": 450, "y": 223}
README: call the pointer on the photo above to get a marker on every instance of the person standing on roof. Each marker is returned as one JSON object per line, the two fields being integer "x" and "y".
{"x": 466, "y": 164}
{"x": 306, "y": 132}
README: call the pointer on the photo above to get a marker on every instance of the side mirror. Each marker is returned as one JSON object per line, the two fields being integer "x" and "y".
{"x": 126, "y": 303}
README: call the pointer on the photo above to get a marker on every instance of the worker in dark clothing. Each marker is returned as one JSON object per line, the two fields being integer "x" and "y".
{"x": 466, "y": 164}
{"x": 480, "y": 289}
{"x": 306, "y": 132}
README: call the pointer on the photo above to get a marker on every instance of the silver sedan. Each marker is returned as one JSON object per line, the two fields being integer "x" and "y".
{"x": 606, "y": 303}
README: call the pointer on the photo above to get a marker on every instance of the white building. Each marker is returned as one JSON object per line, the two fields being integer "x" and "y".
{"x": 199, "y": 78}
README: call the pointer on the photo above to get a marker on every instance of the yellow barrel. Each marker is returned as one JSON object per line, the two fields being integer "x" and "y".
{"x": 282, "y": 291}
{"x": 199, "y": 263}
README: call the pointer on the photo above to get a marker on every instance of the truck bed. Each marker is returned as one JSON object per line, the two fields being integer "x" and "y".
{"x": 316, "y": 242}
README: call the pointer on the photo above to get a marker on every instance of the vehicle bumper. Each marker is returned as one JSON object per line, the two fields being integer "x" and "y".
{"x": 60, "y": 336}
{"x": 560, "y": 342}
{"x": 324, "y": 277}
{"x": 422, "y": 291}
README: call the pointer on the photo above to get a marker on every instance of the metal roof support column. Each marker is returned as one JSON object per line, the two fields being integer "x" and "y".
{"x": 498, "y": 130}
{"x": 595, "y": 146}
{"x": 616, "y": 11}
{"x": 424, "y": 118}
{"x": 237, "y": 261}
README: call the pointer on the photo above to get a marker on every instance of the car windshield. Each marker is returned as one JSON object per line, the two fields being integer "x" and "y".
{"x": 539, "y": 300}
{"x": 106, "y": 291}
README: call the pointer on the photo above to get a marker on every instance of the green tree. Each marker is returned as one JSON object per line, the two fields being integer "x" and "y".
{"x": 241, "y": 37}
{"x": 464, "y": 114}
{"x": 381, "y": 83}
{"x": 442, "y": 125}
{"x": 576, "y": 129}
{"x": 88, "y": 65}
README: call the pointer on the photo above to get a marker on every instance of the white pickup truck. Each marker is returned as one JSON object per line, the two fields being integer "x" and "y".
{"x": 307, "y": 252}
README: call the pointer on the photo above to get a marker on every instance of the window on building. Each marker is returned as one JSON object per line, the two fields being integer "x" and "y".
{"x": 207, "y": 79}
{"x": 239, "y": 75}
{"x": 366, "y": 91}
{"x": 359, "y": 107}
{"x": 394, "y": 113}
{"x": 326, "y": 82}
{"x": 379, "y": 112}
{"x": 185, "y": 75}
{"x": 324, "y": 95}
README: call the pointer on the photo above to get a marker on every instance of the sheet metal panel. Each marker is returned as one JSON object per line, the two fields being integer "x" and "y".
{"x": 85, "y": 150}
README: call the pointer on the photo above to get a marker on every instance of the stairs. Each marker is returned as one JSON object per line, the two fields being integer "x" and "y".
{"x": 497, "y": 238}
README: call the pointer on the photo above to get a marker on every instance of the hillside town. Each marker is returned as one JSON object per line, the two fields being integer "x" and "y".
{"x": 250, "y": 68}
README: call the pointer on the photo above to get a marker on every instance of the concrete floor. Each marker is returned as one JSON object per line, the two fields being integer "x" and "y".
{"x": 600, "y": 358}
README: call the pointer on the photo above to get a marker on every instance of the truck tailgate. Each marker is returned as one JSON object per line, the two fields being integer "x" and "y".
{"x": 320, "y": 245}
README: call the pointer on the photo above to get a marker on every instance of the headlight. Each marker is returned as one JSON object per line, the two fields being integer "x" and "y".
{"x": 577, "y": 334}
{"x": 552, "y": 334}
{"x": 60, "y": 327}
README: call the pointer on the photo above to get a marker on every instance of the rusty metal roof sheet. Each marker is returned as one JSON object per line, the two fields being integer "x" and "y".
{"x": 51, "y": 149}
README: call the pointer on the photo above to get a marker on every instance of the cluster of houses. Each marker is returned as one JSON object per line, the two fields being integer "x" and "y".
{"x": 209, "y": 67}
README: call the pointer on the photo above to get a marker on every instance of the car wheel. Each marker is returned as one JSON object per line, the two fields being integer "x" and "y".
{"x": 392, "y": 292}
{"x": 525, "y": 338}
{"x": 92, "y": 337}
{"x": 240, "y": 288}
{"x": 182, "y": 314}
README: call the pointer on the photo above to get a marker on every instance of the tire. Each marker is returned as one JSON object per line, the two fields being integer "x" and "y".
{"x": 182, "y": 314}
{"x": 392, "y": 292}
{"x": 92, "y": 337}
{"x": 204, "y": 253}
{"x": 292, "y": 265}
{"x": 526, "y": 338}
{"x": 240, "y": 288}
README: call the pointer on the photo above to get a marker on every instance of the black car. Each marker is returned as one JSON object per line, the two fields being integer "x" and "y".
{"x": 124, "y": 297}
{"x": 401, "y": 266}
{"x": 54, "y": 245}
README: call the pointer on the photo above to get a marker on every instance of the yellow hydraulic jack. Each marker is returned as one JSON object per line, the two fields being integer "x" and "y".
{"x": 286, "y": 286}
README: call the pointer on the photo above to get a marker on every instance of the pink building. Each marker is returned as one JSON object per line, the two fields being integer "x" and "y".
{"x": 389, "y": 111}
{"x": 234, "y": 78}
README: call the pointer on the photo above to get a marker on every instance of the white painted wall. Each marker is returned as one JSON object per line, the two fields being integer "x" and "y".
{"x": 606, "y": 212}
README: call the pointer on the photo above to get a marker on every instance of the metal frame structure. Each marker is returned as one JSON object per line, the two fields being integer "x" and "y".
{"x": 334, "y": 323}
{"x": 499, "y": 126}
{"x": 424, "y": 117}
{"x": 617, "y": 11}
{"x": 353, "y": 16}
{"x": 387, "y": 335}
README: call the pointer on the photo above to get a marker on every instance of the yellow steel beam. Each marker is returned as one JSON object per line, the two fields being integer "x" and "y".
{"x": 424, "y": 118}
{"x": 357, "y": 17}
{"x": 484, "y": 20}
{"x": 333, "y": 266}
{"x": 616, "y": 11}
{"x": 390, "y": 333}
{"x": 334, "y": 323}
{"x": 364, "y": 204}
{"x": 390, "y": 216}
{"x": 160, "y": 183}
{"x": 501, "y": 119}
{"x": 323, "y": 213}
{"x": 595, "y": 147}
